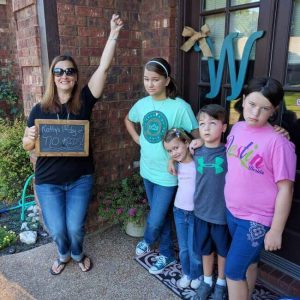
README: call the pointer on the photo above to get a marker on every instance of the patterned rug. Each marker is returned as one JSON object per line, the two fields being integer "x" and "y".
{"x": 172, "y": 274}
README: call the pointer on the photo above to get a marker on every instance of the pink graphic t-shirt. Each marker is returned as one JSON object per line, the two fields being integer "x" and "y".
{"x": 257, "y": 159}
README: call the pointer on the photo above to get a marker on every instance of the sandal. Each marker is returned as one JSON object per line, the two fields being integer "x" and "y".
{"x": 85, "y": 264}
{"x": 59, "y": 266}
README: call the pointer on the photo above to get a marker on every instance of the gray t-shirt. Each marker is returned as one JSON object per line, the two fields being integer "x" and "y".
{"x": 211, "y": 168}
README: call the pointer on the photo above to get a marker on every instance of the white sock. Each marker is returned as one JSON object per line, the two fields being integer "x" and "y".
{"x": 221, "y": 282}
{"x": 208, "y": 280}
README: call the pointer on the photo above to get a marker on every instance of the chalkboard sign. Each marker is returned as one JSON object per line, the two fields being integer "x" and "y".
{"x": 62, "y": 137}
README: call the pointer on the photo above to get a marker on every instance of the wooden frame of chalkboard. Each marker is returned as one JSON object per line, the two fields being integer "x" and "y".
{"x": 62, "y": 137}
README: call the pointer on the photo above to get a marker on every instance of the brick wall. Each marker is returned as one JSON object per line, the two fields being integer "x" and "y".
{"x": 159, "y": 30}
{"x": 9, "y": 67}
{"x": 83, "y": 28}
{"x": 28, "y": 52}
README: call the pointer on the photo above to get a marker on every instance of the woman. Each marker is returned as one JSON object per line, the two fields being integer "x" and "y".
{"x": 64, "y": 184}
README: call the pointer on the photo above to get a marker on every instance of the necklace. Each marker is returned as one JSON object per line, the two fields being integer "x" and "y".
{"x": 59, "y": 118}
{"x": 63, "y": 112}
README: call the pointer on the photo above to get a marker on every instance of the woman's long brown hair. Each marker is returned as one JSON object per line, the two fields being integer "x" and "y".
{"x": 50, "y": 102}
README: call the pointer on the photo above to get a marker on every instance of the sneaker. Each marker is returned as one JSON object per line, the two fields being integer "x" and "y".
{"x": 161, "y": 263}
{"x": 204, "y": 291}
{"x": 142, "y": 247}
{"x": 183, "y": 282}
{"x": 220, "y": 292}
{"x": 195, "y": 283}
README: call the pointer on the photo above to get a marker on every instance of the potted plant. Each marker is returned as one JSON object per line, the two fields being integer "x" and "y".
{"x": 125, "y": 202}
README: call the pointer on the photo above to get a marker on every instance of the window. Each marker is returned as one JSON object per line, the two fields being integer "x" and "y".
{"x": 291, "y": 108}
{"x": 293, "y": 69}
{"x": 214, "y": 4}
{"x": 224, "y": 17}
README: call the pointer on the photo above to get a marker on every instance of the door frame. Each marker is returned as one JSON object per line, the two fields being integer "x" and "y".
{"x": 271, "y": 59}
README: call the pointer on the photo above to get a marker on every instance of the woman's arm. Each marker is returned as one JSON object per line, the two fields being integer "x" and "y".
{"x": 97, "y": 81}
{"x": 29, "y": 138}
{"x": 131, "y": 129}
{"x": 283, "y": 204}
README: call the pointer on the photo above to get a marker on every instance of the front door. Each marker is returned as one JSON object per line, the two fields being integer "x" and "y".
{"x": 276, "y": 54}
{"x": 285, "y": 67}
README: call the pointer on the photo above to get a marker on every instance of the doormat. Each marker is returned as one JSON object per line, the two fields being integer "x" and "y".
{"x": 172, "y": 274}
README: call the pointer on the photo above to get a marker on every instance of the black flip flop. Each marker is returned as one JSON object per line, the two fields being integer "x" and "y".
{"x": 82, "y": 262}
{"x": 58, "y": 263}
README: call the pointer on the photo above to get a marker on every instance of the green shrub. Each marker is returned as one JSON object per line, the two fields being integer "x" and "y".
{"x": 10, "y": 108}
{"x": 15, "y": 166}
{"x": 7, "y": 237}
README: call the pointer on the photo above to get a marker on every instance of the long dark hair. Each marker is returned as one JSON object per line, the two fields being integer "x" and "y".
{"x": 268, "y": 87}
{"x": 50, "y": 102}
{"x": 163, "y": 68}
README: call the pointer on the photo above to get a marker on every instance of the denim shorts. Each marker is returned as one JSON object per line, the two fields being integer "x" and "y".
{"x": 247, "y": 243}
{"x": 212, "y": 237}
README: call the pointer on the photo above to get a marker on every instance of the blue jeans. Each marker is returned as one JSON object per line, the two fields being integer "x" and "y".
{"x": 189, "y": 258}
{"x": 159, "y": 219}
{"x": 247, "y": 243}
{"x": 64, "y": 208}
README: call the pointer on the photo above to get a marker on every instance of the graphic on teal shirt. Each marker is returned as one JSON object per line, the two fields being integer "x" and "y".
{"x": 155, "y": 126}
{"x": 217, "y": 165}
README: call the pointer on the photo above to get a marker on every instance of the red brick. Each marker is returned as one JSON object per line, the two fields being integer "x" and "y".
{"x": 67, "y": 30}
{"x": 285, "y": 283}
{"x": 92, "y": 32}
{"x": 126, "y": 43}
{"x": 264, "y": 267}
{"x": 96, "y": 41}
{"x": 90, "y": 52}
{"x": 82, "y": 60}
{"x": 65, "y": 9}
{"x": 19, "y": 4}
{"x": 294, "y": 288}
{"x": 71, "y": 20}
{"x": 88, "y": 11}
{"x": 151, "y": 52}
{"x": 33, "y": 41}
{"x": 73, "y": 51}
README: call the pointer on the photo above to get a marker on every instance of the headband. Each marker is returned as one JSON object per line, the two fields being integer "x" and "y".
{"x": 177, "y": 132}
{"x": 159, "y": 63}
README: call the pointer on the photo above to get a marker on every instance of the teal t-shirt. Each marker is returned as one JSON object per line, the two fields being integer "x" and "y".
{"x": 156, "y": 118}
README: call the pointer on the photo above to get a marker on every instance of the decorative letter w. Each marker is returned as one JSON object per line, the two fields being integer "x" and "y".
{"x": 236, "y": 82}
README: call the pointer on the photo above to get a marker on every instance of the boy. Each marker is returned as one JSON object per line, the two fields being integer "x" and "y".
{"x": 211, "y": 232}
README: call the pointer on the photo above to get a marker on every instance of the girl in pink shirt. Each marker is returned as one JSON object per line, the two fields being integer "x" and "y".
{"x": 259, "y": 185}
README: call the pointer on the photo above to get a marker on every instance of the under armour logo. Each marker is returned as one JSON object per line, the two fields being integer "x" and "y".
{"x": 217, "y": 165}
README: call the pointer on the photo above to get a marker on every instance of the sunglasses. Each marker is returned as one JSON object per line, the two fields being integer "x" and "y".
{"x": 58, "y": 72}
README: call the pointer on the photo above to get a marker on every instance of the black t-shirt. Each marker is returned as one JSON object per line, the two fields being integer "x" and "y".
{"x": 60, "y": 170}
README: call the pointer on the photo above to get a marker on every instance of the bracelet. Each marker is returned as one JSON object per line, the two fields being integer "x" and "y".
{"x": 112, "y": 39}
